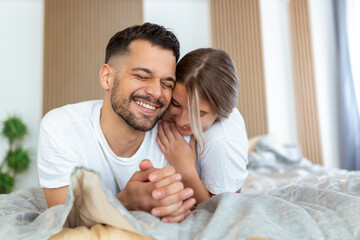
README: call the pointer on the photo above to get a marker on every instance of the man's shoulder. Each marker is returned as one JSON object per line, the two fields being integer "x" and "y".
{"x": 71, "y": 112}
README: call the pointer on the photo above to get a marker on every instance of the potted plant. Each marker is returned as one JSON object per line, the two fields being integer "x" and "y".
{"x": 17, "y": 159}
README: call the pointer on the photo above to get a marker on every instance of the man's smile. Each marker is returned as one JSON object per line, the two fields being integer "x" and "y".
{"x": 145, "y": 105}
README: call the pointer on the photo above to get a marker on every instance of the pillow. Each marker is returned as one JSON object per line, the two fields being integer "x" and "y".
{"x": 272, "y": 136}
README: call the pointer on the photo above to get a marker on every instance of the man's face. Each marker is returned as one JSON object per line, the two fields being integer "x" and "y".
{"x": 143, "y": 84}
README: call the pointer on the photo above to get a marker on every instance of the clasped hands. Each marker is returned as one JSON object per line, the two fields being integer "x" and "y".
{"x": 158, "y": 191}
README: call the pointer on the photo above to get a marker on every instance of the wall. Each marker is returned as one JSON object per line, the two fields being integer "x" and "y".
{"x": 21, "y": 54}
{"x": 188, "y": 19}
{"x": 278, "y": 70}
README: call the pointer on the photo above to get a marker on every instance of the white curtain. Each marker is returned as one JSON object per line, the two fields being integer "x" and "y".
{"x": 353, "y": 25}
{"x": 349, "y": 118}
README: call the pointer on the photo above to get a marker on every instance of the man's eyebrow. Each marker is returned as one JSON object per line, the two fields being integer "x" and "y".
{"x": 150, "y": 72}
{"x": 171, "y": 79}
{"x": 142, "y": 69}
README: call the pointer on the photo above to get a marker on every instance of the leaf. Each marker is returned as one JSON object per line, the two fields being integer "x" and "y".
{"x": 18, "y": 160}
{"x": 6, "y": 183}
{"x": 14, "y": 129}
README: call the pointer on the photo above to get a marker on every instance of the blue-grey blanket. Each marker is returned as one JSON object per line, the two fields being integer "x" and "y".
{"x": 296, "y": 201}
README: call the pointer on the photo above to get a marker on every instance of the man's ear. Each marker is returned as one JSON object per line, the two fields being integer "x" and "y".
{"x": 106, "y": 76}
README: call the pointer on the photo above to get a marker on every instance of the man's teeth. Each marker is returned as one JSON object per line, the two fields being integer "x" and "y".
{"x": 145, "y": 105}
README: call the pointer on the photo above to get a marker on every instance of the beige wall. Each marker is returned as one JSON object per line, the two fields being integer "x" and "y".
{"x": 304, "y": 81}
{"x": 236, "y": 28}
{"x": 76, "y": 35}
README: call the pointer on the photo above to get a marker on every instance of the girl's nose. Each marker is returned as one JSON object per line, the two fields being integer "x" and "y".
{"x": 183, "y": 119}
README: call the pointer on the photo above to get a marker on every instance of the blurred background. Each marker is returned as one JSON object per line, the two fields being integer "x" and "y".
{"x": 298, "y": 63}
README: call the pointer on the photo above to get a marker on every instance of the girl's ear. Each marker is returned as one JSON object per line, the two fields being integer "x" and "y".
{"x": 106, "y": 75}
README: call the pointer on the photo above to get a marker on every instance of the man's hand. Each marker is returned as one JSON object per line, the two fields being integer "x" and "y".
{"x": 163, "y": 193}
{"x": 158, "y": 191}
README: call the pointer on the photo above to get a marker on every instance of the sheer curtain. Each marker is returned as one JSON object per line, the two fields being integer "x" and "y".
{"x": 348, "y": 106}
{"x": 353, "y": 23}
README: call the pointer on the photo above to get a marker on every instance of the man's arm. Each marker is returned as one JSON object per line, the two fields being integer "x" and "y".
{"x": 56, "y": 196}
{"x": 142, "y": 194}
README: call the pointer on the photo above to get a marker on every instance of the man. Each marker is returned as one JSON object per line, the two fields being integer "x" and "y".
{"x": 115, "y": 135}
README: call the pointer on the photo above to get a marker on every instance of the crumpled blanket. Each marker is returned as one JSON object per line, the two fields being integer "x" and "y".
{"x": 327, "y": 210}
{"x": 304, "y": 202}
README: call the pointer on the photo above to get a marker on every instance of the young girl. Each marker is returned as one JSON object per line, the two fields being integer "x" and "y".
{"x": 204, "y": 107}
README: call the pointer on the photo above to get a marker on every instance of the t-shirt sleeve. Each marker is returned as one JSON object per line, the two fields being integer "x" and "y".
{"x": 57, "y": 156}
{"x": 223, "y": 165}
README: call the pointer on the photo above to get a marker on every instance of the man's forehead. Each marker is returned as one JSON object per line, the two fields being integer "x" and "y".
{"x": 155, "y": 59}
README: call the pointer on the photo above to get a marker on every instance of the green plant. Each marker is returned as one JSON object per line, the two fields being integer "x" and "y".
{"x": 17, "y": 159}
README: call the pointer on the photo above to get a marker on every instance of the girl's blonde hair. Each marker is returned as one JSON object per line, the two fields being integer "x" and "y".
{"x": 210, "y": 74}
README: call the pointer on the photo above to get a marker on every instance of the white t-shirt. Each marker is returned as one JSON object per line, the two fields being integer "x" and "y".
{"x": 222, "y": 166}
{"x": 71, "y": 136}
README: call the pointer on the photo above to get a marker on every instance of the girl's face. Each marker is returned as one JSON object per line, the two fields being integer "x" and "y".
{"x": 179, "y": 112}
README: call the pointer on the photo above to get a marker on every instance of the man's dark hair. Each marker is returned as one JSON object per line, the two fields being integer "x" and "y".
{"x": 157, "y": 35}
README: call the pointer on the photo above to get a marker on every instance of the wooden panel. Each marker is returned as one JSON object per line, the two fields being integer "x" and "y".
{"x": 304, "y": 81}
{"x": 76, "y": 35}
{"x": 236, "y": 28}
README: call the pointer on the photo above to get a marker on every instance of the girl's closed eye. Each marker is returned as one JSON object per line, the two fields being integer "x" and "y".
{"x": 175, "y": 104}
{"x": 203, "y": 113}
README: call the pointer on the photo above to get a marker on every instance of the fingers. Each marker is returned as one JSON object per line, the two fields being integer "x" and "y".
{"x": 166, "y": 210}
{"x": 169, "y": 190}
{"x": 167, "y": 181}
{"x": 179, "y": 196}
{"x": 192, "y": 142}
{"x": 160, "y": 144}
{"x": 162, "y": 136}
{"x": 176, "y": 219}
{"x": 174, "y": 212}
{"x": 181, "y": 213}
{"x": 186, "y": 206}
{"x": 145, "y": 164}
{"x": 137, "y": 196}
{"x": 175, "y": 131}
{"x": 143, "y": 175}
{"x": 161, "y": 173}
{"x": 168, "y": 131}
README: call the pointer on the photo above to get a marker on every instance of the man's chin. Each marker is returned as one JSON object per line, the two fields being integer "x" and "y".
{"x": 143, "y": 127}
{"x": 141, "y": 121}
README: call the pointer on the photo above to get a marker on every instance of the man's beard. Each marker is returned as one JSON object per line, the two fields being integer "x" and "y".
{"x": 122, "y": 108}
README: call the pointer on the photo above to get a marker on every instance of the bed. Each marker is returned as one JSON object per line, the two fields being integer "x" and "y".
{"x": 284, "y": 197}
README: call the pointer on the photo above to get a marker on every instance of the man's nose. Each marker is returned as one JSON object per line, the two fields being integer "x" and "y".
{"x": 154, "y": 89}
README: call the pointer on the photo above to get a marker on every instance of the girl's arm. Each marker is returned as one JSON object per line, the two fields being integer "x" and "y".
{"x": 182, "y": 156}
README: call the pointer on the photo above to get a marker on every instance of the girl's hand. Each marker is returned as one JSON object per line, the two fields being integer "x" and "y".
{"x": 182, "y": 156}
{"x": 177, "y": 151}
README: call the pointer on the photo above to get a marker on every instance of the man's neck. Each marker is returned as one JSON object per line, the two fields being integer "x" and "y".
{"x": 123, "y": 140}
